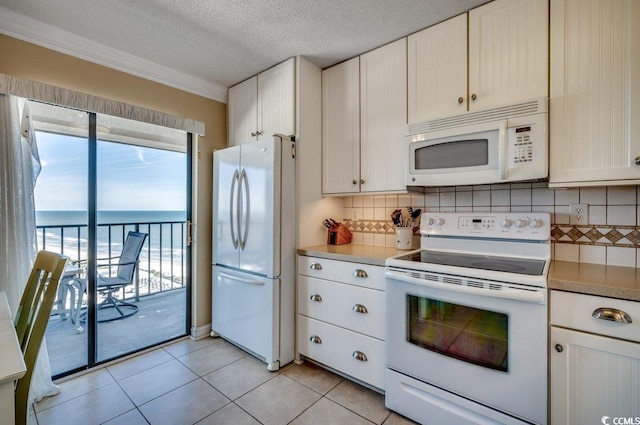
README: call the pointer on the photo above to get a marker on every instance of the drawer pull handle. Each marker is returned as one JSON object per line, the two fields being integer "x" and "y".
{"x": 315, "y": 339}
{"x": 316, "y": 266}
{"x": 360, "y": 273}
{"x": 359, "y": 355}
{"x": 316, "y": 297}
{"x": 359, "y": 308}
{"x": 612, "y": 314}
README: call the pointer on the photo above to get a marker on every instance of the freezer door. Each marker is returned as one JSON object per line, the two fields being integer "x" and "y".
{"x": 246, "y": 310}
{"x": 259, "y": 229}
{"x": 226, "y": 175}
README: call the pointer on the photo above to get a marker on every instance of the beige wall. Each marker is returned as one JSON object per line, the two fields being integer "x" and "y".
{"x": 36, "y": 63}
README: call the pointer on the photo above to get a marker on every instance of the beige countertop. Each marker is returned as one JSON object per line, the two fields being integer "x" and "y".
{"x": 584, "y": 278}
{"x": 595, "y": 279}
{"x": 357, "y": 253}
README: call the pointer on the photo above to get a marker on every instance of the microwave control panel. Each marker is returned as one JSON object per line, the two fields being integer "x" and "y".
{"x": 521, "y": 139}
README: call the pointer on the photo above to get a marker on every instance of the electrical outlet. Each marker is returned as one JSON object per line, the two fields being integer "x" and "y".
{"x": 354, "y": 214}
{"x": 579, "y": 214}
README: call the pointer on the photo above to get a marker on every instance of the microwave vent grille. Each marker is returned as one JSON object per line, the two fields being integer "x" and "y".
{"x": 526, "y": 108}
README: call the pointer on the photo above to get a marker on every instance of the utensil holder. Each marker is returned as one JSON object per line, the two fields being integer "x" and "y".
{"x": 404, "y": 238}
{"x": 339, "y": 235}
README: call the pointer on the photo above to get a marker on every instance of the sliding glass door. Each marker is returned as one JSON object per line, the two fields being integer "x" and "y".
{"x": 115, "y": 200}
{"x": 141, "y": 193}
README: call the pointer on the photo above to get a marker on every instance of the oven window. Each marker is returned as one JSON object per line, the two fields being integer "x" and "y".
{"x": 461, "y": 153}
{"x": 465, "y": 333}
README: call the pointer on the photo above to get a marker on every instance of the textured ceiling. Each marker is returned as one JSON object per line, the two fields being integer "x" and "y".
{"x": 226, "y": 41}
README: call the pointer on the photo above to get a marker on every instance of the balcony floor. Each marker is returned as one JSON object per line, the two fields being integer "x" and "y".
{"x": 160, "y": 317}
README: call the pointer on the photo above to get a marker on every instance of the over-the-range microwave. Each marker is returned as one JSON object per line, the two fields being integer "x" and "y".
{"x": 499, "y": 145}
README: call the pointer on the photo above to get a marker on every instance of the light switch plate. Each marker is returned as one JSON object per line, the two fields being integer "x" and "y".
{"x": 579, "y": 214}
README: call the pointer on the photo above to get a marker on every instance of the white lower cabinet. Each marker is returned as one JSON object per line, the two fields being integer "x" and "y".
{"x": 341, "y": 313}
{"x": 594, "y": 378}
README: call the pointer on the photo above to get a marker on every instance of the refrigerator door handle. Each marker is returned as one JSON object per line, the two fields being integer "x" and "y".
{"x": 234, "y": 239}
{"x": 246, "y": 208}
{"x": 241, "y": 279}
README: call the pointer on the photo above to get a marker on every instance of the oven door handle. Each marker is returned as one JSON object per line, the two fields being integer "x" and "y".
{"x": 531, "y": 296}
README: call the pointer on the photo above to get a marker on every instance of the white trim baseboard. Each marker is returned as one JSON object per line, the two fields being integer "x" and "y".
{"x": 200, "y": 331}
{"x": 42, "y": 34}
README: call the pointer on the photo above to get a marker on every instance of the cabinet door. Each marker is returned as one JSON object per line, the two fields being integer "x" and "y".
{"x": 595, "y": 92}
{"x": 508, "y": 52}
{"x": 383, "y": 118}
{"x": 276, "y": 100}
{"x": 437, "y": 74}
{"x": 341, "y": 128}
{"x": 592, "y": 377}
{"x": 242, "y": 112}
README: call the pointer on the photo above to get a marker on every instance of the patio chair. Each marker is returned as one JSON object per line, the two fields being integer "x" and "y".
{"x": 31, "y": 319}
{"x": 128, "y": 260}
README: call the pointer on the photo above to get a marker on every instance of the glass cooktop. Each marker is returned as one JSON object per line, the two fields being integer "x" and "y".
{"x": 484, "y": 262}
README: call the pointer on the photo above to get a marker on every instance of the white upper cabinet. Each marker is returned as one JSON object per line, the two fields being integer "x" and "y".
{"x": 242, "y": 111}
{"x": 383, "y": 118}
{"x": 263, "y": 105}
{"x": 508, "y": 53}
{"x": 437, "y": 74}
{"x": 341, "y": 128}
{"x": 595, "y": 93}
{"x": 364, "y": 104}
{"x": 504, "y": 62}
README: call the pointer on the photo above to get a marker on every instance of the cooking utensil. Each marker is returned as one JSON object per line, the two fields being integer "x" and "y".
{"x": 396, "y": 217}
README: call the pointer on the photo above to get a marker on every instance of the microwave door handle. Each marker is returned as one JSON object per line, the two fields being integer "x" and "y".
{"x": 502, "y": 149}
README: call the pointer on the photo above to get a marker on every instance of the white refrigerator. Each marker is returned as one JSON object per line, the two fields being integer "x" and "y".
{"x": 254, "y": 207}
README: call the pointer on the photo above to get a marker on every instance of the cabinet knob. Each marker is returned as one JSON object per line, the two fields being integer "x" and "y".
{"x": 361, "y": 181}
{"x": 354, "y": 181}
{"x": 637, "y": 160}
{"x": 359, "y": 308}
{"x": 359, "y": 355}
{"x": 254, "y": 134}
{"x": 473, "y": 96}
{"x": 360, "y": 273}
{"x": 258, "y": 133}
{"x": 460, "y": 99}
{"x": 559, "y": 348}
{"x": 316, "y": 266}
{"x": 612, "y": 314}
{"x": 315, "y": 339}
{"x": 316, "y": 297}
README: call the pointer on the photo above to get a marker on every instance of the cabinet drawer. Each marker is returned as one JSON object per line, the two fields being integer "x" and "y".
{"x": 575, "y": 311}
{"x": 358, "y": 309}
{"x": 357, "y": 274}
{"x": 337, "y": 348}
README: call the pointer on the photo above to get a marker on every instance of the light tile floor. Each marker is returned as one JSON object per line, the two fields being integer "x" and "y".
{"x": 211, "y": 382}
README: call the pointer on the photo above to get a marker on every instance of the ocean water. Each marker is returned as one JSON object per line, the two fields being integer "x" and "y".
{"x": 164, "y": 249}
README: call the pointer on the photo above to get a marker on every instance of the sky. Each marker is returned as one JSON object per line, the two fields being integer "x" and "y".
{"x": 129, "y": 177}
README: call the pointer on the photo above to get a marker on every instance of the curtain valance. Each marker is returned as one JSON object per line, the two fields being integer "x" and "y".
{"x": 85, "y": 102}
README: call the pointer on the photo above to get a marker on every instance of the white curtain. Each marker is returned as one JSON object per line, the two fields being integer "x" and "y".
{"x": 19, "y": 168}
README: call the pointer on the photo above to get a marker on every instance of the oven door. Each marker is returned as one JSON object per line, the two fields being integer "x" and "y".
{"x": 489, "y": 349}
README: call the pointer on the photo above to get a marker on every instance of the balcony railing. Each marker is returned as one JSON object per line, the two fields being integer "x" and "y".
{"x": 162, "y": 260}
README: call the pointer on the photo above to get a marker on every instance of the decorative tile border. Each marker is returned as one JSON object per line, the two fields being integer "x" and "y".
{"x": 618, "y": 236}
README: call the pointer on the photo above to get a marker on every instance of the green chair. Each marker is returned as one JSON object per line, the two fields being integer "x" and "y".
{"x": 32, "y": 317}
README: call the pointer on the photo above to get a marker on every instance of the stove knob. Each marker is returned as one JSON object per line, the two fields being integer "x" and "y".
{"x": 506, "y": 223}
{"x": 535, "y": 223}
{"x": 440, "y": 221}
{"x": 430, "y": 221}
{"x": 521, "y": 222}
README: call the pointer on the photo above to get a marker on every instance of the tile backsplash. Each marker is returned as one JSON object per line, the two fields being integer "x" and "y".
{"x": 612, "y": 235}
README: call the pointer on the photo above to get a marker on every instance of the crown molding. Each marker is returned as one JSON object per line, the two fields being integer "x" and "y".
{"x": 33, "y": 31}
